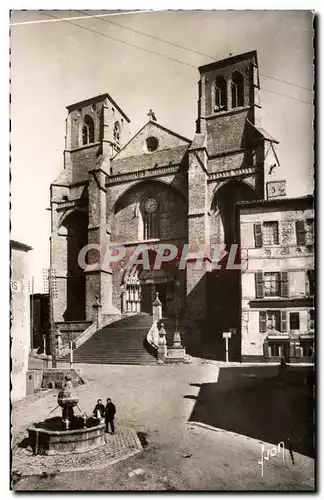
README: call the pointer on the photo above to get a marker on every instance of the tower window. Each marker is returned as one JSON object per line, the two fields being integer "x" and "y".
{"x": 117, "y": 132}
{"x": 237, "y": 88}
{"x": 220, "y": 93}
{"x": 151, "y": 223}
{"x": 88, "y": 130}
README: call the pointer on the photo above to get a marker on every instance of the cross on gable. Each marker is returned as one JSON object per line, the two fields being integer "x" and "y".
{"x": 152, "y": 116}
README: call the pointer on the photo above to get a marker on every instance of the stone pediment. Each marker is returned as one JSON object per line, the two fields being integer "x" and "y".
{"x": 153, "y": 146}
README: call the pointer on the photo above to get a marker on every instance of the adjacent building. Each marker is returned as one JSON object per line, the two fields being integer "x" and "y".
{"x": 277, "y": 279}
{"x": 20, "y": 319}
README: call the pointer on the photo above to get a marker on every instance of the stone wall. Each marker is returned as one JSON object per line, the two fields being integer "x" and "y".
{"x": 55, "y": 377}
{"x": 20, "y": 319}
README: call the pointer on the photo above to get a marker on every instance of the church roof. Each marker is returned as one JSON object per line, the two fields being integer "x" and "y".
{"x": 263, "y": 132}
{"x": 229, "y": 60}
{"x": 97, "y": 98}
{"x": 199, "y": 142}
{"x": 158, "y": 125}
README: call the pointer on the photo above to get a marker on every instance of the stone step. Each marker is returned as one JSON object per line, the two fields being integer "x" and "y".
{"x": 121, "y": 342}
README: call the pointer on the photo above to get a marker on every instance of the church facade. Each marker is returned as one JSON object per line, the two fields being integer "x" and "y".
{"x": 157, "y": 188}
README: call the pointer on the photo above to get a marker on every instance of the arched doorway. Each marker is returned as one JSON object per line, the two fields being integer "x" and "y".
{"x": 76, "y": 225}
{"x": 224, "y": 284}
{"x": 227, "y": 196}
{"x": 141, "y": 285}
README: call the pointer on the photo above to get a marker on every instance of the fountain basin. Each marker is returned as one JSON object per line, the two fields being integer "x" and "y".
{"x": 50, "y": 438}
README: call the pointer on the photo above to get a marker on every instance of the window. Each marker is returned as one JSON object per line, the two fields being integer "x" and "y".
{"x": 275, "y": 349}
{"x": 266, "y": 234}
{"x": 309, "y": 230}
{"x": 87, "y": 130}
{"x": 237, "y": 88}
{"x": 270, "y": 233}
{"x": 151, "y": 219}
{"x": 305, "y": 232}
{"x": 151, "y": 144}
{"x": 311, "y": 320}
{"x": 271, "y": 284}
{"x": 294, "y": 321}
{"x": 278, "y": 349}
{"x": 220, "y": 93}
{"x": 272, "y": 320}
{"x": 310, "y": 282}
{"x": 117, "y": 132}
{"x": 306, "y": 349}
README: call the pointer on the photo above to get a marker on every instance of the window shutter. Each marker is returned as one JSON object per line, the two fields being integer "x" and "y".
{"x": 300, "y": 232}
{"x": 259, "y": 293}
{"x": 265, "y": 349}
{"x": 263, "y": 321}
{"x": 284, "y": 284}
{"x": 283, "y": 317}
{"x": 258, "y": 235}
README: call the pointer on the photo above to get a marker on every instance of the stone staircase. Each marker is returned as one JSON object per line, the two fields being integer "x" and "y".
{"x": 122, "y": 342}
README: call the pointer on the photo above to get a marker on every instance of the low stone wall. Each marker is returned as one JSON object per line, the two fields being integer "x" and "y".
{"x": 72, "y": 328}
{"x": 54, "y": 378}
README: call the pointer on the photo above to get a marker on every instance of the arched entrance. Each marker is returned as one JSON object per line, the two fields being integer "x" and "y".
{"x": 76, "y": 225}
{"x": 225, "y": 200}
{"x": 224, "y": 285}
{"x": 141, "y": 285}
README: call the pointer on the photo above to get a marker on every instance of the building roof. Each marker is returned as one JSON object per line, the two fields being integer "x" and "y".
{"x": 199, "y": 141}
{"x": 155, "y": 123}
{"x": 229, "y": 60}
{"x": 304, "y": 200}
{"x": 16, "y": 245}
{"x": 97, "y": 98}
{"x": 263, "y": 132}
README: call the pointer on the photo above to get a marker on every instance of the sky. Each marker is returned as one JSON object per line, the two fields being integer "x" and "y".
{"x": 55, "y": 64}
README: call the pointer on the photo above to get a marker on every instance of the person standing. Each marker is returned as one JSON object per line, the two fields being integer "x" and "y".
{"x": 110, "y": 415}
{"x": 99, "y": 410}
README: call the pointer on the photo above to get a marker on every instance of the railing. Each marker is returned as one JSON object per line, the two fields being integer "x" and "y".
{"x": 86, "y": 335}
{"x": 152, "y": 339}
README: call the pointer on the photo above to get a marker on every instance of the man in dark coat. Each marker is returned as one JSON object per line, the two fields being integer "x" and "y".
{"x": 99, "y": 408}
{"x": 110, "y": 415}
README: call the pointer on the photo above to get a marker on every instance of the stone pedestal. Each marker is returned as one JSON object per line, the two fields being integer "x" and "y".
{"x": 162, "y": 346}
{"x": 176, "y": 354}
{"x": 97, "y": 308}
{"x": 157, "y": 308}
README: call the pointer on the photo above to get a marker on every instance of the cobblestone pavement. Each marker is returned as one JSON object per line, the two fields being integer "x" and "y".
{"x": 123, "y": 444}
{"x": 158, "y": 401}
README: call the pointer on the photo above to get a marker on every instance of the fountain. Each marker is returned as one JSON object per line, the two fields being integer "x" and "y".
{"x": 69, "y": 433}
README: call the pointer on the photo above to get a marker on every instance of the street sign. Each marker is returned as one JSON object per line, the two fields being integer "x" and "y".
{"x": 227, "y": 335}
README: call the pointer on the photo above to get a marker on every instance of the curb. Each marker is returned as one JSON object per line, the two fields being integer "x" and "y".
{"x": 107, "y": 462}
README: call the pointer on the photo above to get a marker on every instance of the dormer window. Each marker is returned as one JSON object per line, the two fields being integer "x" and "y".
{"x": 87, "y": 130}
{"x": 237, "y": 89}
{"x": 220, "y": 93}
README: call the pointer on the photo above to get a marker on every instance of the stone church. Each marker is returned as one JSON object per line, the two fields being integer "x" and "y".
{"x": 159, "y": 187}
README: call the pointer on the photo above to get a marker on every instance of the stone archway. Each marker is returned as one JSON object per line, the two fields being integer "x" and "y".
{"x": 225, "y": 200}
{"x": 76, "y": 229}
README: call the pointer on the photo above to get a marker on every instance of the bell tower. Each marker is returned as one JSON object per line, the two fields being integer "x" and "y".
{"x": 228, "y": 96}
